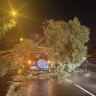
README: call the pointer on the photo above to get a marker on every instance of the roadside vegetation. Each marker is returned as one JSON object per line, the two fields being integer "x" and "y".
{"x": 4, "y": 58}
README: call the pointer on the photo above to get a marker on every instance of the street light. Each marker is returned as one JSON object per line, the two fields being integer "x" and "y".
{"x": 21, "y": 39}
{"x": 14, "y": 13}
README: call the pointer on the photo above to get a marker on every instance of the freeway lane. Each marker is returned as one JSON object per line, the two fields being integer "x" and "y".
{"x": 48, "y": 88}
{"x": 86, "y": 82}
{"x": 84, "y": 90}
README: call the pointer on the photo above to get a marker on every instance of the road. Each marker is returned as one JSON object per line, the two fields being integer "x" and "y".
{"x": 49, "y": 88}
{"x": 86, "y": 84}
{"x": 81, "y": 86}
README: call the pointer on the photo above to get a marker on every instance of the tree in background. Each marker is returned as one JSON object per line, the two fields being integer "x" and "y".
{"x": 7, "y": 26}
{"x": 67, "y": 39}
{"x": 5, "y": 59}
{"x": 8, "y": 37}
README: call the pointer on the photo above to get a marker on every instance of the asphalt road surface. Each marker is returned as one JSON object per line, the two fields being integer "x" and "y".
{"x": 50, "y": 88}
{"x": 81, "y": 86}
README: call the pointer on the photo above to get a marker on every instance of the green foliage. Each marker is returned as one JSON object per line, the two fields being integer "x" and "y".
{"x": 5, "y": 62}
{"x": 5, "y": 65}
{"x": 21, "y": 52}
{"x": 7, "y": 36}
{"x": 7, "y": 26}
{"x": 67, "y": 39}
{"x": 13, "y": 88}
{"x": 15, "y": 60}
{"x": 9, "y": 40}
{"x": 25, "y": 47}
{"x": 79, "y": 31}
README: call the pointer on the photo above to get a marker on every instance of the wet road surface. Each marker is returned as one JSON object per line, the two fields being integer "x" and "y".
{"x": 49, "y": 88}
{"x": 88, "y": 83}
{"x": 81, "y": 86}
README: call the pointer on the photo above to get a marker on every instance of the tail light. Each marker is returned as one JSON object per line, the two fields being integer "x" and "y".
{"x": 48, "y": 62}
{"x": 29, "y": 62}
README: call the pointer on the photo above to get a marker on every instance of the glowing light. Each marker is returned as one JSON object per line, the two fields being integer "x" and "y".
{"x": 29, "y": 62}
{"x": 21, "y": 39}
{"x": 14, "y": 13}
{"x": 48, "y": 62}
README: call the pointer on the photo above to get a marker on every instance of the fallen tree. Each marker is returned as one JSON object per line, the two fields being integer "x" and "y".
{"x": 67, "y": 39}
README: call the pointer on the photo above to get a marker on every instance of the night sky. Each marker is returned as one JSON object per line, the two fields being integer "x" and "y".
{"x": 37, "y": 11}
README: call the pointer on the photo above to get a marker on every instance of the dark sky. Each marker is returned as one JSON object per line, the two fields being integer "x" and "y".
{"x": 36, "y": 11}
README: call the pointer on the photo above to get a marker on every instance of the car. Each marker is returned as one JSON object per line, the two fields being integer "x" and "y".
{"x": 39, "y": 62}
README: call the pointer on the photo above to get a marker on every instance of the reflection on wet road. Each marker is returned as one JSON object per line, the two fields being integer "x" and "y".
{"x": 48, "y": 88}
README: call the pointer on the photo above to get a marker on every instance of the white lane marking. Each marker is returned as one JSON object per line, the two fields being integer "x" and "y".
{"x": 84, "y": 90}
